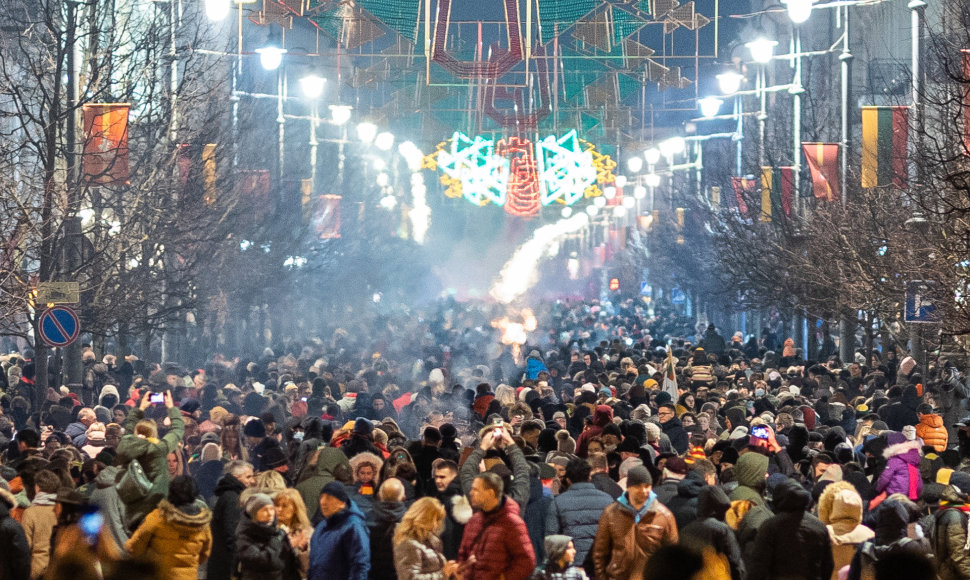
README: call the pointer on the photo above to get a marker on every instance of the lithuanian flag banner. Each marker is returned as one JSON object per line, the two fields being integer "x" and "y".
{"x": 777, "y": 191}
{"x": 823, "y": 163}
{"x": 885, "y": 136}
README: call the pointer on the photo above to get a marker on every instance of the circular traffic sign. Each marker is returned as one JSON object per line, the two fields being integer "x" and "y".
{"x": 59, "y": 326}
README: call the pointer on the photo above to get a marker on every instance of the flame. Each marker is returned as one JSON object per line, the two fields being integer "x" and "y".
{"x": 516, "y": 332}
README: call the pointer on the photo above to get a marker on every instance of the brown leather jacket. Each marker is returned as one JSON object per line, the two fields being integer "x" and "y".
{"x": 619, "y": 550}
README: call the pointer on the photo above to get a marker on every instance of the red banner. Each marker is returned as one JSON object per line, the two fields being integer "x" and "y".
{"x": 823, "y": 163}
{"x": 105, "y": 159}
{"x": 744, "y": 192}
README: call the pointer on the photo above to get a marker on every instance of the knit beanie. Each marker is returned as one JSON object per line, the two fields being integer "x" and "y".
{"x": 256, "y": 502}
{"x": 751, "y": 468}
{"x": 556, "y": 546}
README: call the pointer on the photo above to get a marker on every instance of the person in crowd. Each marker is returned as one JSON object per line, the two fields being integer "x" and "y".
{"x": 417, "y": 549}
{"x": 793, "y": 543}
{"x": 931, "y": 429}
{"x": 384, "y": 515}
{"x": 263, "y": 549}
{"x": 40, "y": 519}
{"x": 291, "y": 517}
{"x": 340, "y": 546}
{"x": 141, "y": 443}
{"x": 16, "y": 561}
{"x": 840, "y": 509}
{"x": 951, "y": 529}
{"x": 225, "y": 518}
{"x": 890, "y": 522}
{"x": 576, "y": 511}
{"x": 638, "y": 519}
{"x": 457, "y": 509}
{"x": 176, "y": 534}
{"x": 495, "y": 542}
{"x": 710, "y": 536}
{"x": 560, "y": 556}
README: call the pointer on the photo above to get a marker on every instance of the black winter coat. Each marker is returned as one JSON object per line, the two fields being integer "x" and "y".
{"x": 15, "y": 563}
{"x": 263, "y": 552}
{"x": 684, "y": 504}
{"x": 225, "y": 519}
{"x": 381, "y": 519}
{"x": 793, "y": 544}
{"x": 457, "y": 514}
{"x": 678, "y": 435}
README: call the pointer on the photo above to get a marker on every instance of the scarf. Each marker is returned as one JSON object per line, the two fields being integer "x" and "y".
{"x": 43, "y": 498}
{"x": 638, "y": 514}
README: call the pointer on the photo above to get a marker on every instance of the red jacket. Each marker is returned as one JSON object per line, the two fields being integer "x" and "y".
{"x": 500, "y": 543}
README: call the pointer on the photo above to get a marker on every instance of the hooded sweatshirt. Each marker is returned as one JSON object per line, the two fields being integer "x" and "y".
{"x": 602, "y": 416}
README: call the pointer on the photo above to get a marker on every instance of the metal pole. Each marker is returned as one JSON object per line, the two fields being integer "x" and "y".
{"x": 846, "y": 139}
{"x": 796, "y": 92}
{"x": 762, "y": 116}
{"x": 314, "y": 121}
{"x": 71, "y": 368}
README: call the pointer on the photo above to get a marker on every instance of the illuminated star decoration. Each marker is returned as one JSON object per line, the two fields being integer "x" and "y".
{"x": 604, "y": 165}
{"x": 565, "y": 170}
{"x": 484, "y": 176}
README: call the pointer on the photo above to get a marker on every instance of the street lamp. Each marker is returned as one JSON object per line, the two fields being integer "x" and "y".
{"x": 672, "y": 146}
{"x": 652, "y": 156}
{"x": 312, "y": 86}
{"x": 340, "y": 114}
{"x": 271, "y": 57}
{"x": 729, "y": 82}
{"x": 634, "y": 164}
{"x": 217, "y": 10}
{"x": 762, "y": 49}
{"x": 799, "y": 11}
{"x": 366, "y": 131}
{"x": 384, "y": 141}
{"x": 710, "y": 106}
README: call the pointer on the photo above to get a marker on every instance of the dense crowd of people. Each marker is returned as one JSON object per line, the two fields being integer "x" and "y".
{"x": 417, "y": 446}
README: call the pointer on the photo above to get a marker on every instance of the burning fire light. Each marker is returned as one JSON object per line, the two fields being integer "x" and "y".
{"x": 516, "y": 333}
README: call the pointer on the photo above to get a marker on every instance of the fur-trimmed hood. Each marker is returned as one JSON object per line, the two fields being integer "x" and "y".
{"x": 840, "y": 509}
{"x": 902, "y": 449}
{"x": 190, "y": 517}
{"x": 8, "y": 497}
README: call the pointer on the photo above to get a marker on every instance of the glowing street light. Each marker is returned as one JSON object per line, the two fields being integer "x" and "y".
{"x": 762, "y": 49}
{"x": 384, "y": 141}
{"x": 652, "y": 156}
{"x": 652, "y": 179}
{"x": 634, "y": 164}
{"x": 566, "y": 212}
{"x": 639, "y": 192}
{"x": 366, "y": 131}
{"x": 799, "y": 11}
{"x": 312, "y": 86}
{"x": 340, "y": 114}
{"x": 710, "y": 106}
{"x": 729, "y": 82}
{"x": 672, "y": 146}
{"x": 217, "y": 10}
{"x": 271, "y": 57}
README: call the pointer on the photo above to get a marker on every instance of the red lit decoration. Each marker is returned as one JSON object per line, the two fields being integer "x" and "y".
{"x": 523, "y": 189}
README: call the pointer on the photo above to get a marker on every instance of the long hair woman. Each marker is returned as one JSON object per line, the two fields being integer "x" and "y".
{"x": 417, "y": 545}
{"x": 291, "y": 516}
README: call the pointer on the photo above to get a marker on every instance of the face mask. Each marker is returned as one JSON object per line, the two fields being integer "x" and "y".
{"x": 759, "y": 392}
{"x": 298, "y": 435}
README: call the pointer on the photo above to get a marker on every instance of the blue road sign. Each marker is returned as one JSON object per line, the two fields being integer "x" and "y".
{"x": 919, "y": 302}
{"x": 59, "y": 326}
{"x": 677, "y": 296}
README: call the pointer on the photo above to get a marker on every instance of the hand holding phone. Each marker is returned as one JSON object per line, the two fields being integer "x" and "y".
{"x": 157, "y": 398}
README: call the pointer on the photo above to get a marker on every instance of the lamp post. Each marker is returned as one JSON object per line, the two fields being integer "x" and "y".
{"x": 312, "y": 87}
{"x": 730, "y": 83}
{"x": 762, "y": 51}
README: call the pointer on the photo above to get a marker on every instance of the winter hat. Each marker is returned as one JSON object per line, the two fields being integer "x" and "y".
{"x": 961, "y": 481}
{"x": 273, "y": 458}
{"x": 663, "y": 397}
{"x": 629, "y": 445}
{"x": 190, "y": 406}
{"x": 895, "y": 438}
{"x": 638, "y": 476}
{"x": 641, "y": 413}
{"x": 556, "y": 546}
{"x": 712, "y": 502}
{"x": 627, "y": 464}
{"x": 254, "y": 428}
{"x": 676, "y": 465}
{"x": 218, "y": 414}
{"x": 363, "y": 427}
{"x": 909, "y": 431}
{"x": 336, "y": 490}
{"x": 558, "y": 415}
{"x": 256, "y": 502}
{"x": 210, "y": 437}
{"x": 564, "y": 442}
{"x": 739, "y": 432}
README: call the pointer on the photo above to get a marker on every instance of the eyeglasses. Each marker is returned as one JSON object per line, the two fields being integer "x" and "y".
{"x": 664, "y": 414}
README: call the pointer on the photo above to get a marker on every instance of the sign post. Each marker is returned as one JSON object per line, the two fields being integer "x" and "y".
{"x": 59, "y": 326}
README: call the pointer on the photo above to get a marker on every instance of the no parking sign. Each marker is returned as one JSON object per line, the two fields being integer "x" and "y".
{"x": 59, "y": 326}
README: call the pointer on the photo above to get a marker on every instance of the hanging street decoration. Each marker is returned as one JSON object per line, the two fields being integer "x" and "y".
{"x": 520, "y": 175}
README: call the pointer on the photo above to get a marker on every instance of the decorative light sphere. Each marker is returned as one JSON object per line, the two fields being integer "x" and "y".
{"x": 620, "y": 181}
{"x": 619, "y": 211}
{"x": 653, "y": 180}
{"x": 634, "y": 164}
{"x": 217, "y": 10}
{"x": 609, "y": 192}
{"x": 673, "y": 146}
{"x": 729, "y": 82}
{"x": 566, "y": 212}
{"x": 366, "y": 131}
{"x": 384, "y": 141}
{"x": 629, "y": 202}
{"x": 639, "y": 192}
{"x": 652, "y": 156}
{"x": 383, "y": 179}
{"x": 799, "y": 11}
{"x": 762, "y": 49}
{"x": 271, "y": 57}
{"x": 592, "y": 210}
{"x": 312, "y": 86}
{"x": 599, "y": 201}
{"x": 340, "y": 114}
{"x": 710, "y": 106}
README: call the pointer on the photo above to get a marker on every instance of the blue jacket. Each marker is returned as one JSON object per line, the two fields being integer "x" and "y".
{"x": 340, "y": 547}
{"x": 533, "y": 367}
{"x": 576, "y": 513}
